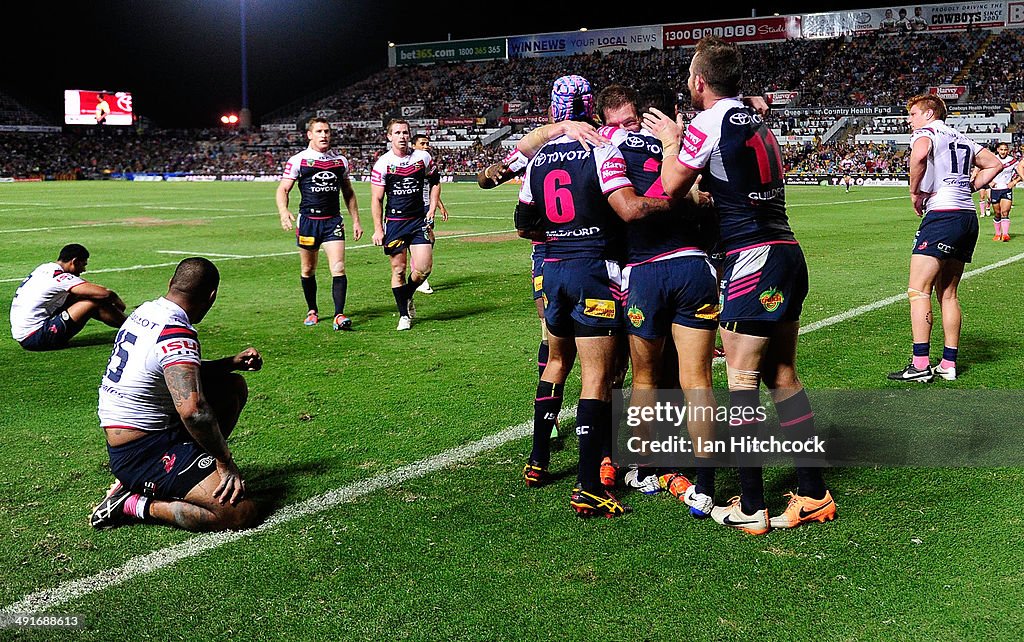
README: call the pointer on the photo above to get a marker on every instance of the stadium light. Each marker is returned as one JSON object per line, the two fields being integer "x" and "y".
{"x": 583, "y": 28}
{"x": 229, "y": 119}
{"x": 391, "y": 44}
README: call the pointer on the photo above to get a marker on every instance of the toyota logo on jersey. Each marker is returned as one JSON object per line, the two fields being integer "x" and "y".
{"x": 324, "y": 178}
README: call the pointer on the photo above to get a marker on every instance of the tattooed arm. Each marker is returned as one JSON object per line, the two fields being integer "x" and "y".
{"x": 183, "y": 382}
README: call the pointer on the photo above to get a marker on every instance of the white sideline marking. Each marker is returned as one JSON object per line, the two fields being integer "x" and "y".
{"x": 864, "y": 309}
{"x": 861, "y": 200}
{"x": 239, "y": 257}
{"x": 46, "y": 599}
{"x": 213, "y": 254}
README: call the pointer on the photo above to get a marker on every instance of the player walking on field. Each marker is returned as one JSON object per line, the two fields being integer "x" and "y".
{"x": 1002, "y": 191}
{"x": 941, "y": 160}
{"x": 403, "y": 228}
{"x": 422, "y": 141}
{"x": 323, "y": 178}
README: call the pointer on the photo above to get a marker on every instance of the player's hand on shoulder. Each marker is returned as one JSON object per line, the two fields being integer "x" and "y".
{"x": 249, "y": 360}
{"x": 584, "y": 133}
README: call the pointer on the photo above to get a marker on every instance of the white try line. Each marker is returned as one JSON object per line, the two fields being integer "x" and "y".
{"x": 242, "y": 257}
{"x": 47, "y": 599}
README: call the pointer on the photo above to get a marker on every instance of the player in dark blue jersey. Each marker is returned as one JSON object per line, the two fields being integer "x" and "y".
{"x": 574, "y": 198}
{"x": 403, "y": 175}
{"x": 323, "y": 178}
{"x": 765, "y": 277}
{"x": 671, "y": 288}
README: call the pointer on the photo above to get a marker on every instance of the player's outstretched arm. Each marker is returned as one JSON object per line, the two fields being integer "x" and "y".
{"x": 583, "y": 133}
{"x": 96, "y": 292}
{"x": 630, "y": 206}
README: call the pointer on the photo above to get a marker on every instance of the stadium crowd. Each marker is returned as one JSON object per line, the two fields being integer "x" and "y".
{"x": 830, "y": 72}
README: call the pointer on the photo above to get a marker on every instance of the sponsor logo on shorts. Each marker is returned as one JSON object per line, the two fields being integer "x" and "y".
{"x": 306, "y": 240}
{"x": 771, "y": 299}
{"x": 945, "y": 247}
{"x": 922, "y": 245}
{"x": 635, "y": 316}
{"x": 168, "y": 462}
{"x": 538, "y": 283}
{"x": 600, "y": 308}
{"x": 709, "y": 311}
{"x": 395, "y": 243}
{"x": 205, "y": 462}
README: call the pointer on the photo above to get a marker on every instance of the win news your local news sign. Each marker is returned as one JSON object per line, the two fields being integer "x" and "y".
{"x": 896, "y": 20}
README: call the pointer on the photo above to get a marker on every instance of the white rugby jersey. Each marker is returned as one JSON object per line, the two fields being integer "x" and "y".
{"x": 1005, "y": 175}
{"x": 948, "y": 174}
{"x": 133, "y": 393}
{"x": 39, "y": 297}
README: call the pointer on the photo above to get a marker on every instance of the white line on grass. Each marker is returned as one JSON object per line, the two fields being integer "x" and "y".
{"x": 136, "y": 222}
{"x": 213, "y": 254}
{"x": 240, "y": 257}
{"x": 46, "y": 599}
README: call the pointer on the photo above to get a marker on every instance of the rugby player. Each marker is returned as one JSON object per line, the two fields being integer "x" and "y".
{"x": 570, "y": 198}
{"x": 765, "y": 275}
{"x": 1002, "y": 191}
{"x": 402, "y": 174}
{"x": 984, "y": 199}
{"x": 54, "y": 303}
{"x": 671, "y": 287}
{"x": 941, "y": 159}
{"x": 167, "y": 415}
{"x": 514, "y": 164}
{"x": 323, "y": 177}
{"x": 422, "y": 141}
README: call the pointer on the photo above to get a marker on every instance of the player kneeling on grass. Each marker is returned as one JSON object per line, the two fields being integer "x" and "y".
{"x": 54, "y": 303}
{"x": 167, "y": 415}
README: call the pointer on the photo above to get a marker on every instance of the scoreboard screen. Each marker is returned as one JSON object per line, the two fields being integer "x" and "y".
{"x": 83, "y": 107}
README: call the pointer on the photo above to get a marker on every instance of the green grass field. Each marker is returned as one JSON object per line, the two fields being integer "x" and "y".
{"x": 380, "y": 527}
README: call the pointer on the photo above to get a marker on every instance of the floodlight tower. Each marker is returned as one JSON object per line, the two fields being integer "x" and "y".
{"x": 244, "y": 115}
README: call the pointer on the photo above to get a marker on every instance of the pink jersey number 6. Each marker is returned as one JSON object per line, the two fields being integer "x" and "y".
{"x": 558, "y": 203}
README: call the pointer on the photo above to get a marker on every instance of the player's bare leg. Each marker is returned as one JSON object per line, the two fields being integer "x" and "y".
{"x": 201, "y": 511}
{"x": 399, "y": 262}
{"x": 81, "y": 311}
{"x": 646, "y": 355}
{"x": 924, "y": 270}
{"x": 307, "y": 274}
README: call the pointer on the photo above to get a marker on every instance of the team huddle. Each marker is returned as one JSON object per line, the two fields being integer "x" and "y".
{"x": 651, "y": 241}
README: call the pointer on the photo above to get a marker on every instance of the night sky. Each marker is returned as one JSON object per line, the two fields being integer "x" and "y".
{"x": 182, "y": 60}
